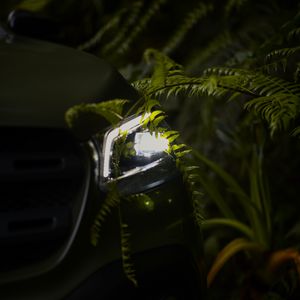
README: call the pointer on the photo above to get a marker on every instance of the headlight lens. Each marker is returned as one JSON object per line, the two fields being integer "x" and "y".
{"x": 135, "y": 157}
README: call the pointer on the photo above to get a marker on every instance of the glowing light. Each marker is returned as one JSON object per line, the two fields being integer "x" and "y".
{"x": 112, "y": 135}
{"x": 149, "y": 205}
{"x": 147, "y": 144}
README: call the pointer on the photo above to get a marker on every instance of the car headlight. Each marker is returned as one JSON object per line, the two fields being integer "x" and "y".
{"x": 135, "y": 158}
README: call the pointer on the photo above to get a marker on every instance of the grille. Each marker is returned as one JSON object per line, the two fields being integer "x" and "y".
{"x": 41, "y": 172}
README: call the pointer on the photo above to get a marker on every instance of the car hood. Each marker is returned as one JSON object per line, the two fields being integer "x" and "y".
{"x": 41, "y": 80}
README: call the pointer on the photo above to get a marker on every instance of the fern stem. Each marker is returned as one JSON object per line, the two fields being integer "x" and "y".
{"x": 195, "y": 81}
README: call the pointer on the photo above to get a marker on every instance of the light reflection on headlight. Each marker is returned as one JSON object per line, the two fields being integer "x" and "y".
{"x": 148, "y": 144}
{"x": 144, "y": 161}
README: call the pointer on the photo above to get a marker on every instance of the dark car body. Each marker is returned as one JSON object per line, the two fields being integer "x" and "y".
{"x": 50, "y": 194}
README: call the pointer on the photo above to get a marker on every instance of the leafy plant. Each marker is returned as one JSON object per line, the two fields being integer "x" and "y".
{"x": 78, "y": 119}
{"x": 234, "y": 98}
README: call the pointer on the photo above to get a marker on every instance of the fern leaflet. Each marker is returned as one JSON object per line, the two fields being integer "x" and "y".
{"x": 128, "y": 267}
{"x": 139, "y": 27}
{"x": 96, "y": 39}
{"x": 111, "y": 201}
{"x": 121, "y": 35}
{"x": 110, "y": 110}
{"x": 278, "y": 110}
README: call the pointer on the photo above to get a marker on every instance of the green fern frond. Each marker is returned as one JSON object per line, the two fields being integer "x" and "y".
{"x": 293, "y": 33}
{"x": 189, "y": 175}
{"x": 282, "y": 53}
{"x": 171, "y": 135}
{"x": 128, "y": 267}
{"x": 142, "y": 85}
{"x": 297, "y": 73}
{"x": 278, "y": 59}
{"x": 153, "y": 121}
{"x": 97, "y": 38}
{"x": 134, "y": 12}
{"x": 196, "y": 14}
{"x": 233, "y": 4}
{"x": 296, "y": 132}
{"x": 140, "y": 26}
{"x": 198, "y": 207}
{"x": 275, "y": 99}
{"x": 168, "y": 78}
{"x": 277, "y": 109}
{"x": 264, "y": 85}
{"x": 110, "y": 110}
{"x": 163, "y": 67}
{"x": 180, "y": 150}
{"x": 281, "y": 35}
{"x": 278, "y": 65}
{"x": 223, "y": 71}
{"x": 190, "y": 86}
{"x": 111, "y": 201}
{"x": 256, "y": 83}
{"x": 211, "y": 87}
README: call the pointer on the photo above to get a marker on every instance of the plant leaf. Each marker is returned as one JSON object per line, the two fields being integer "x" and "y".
{"x": 227, "y": 252}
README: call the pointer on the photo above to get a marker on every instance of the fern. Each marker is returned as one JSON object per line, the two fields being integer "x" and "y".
{"x": 278, "y": 59}
{"x": 275, "y": 100}
{"x": 164, "y": 67}
{"x": 224, "y": 71}
{"x": 140, "y": 25}
{"x": 297, "y": 72}
{"x": 142, "y": 85}
{"x": 190, "y": 178}
{"x": 130, "y": 21}
{"x": 270, "y": 85}
{"x": 296, "y": 132}
{"x": 293, "y": 33}
{"x": 111, "y": 201}
{"x": 97, "y": 38}
{"x": 197, "y": 13}
{"x": 128, "y": 267}
{"x": 282, "y": 53}
{"x": 233, "y": 4}
{"x": 278, "y": 110}
{"x": 110, "y": 110}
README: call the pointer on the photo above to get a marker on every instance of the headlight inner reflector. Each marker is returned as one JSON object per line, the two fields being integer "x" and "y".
{"x": 140, "y": 150}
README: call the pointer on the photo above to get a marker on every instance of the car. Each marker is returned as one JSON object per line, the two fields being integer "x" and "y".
{"x": 52, "y": 189}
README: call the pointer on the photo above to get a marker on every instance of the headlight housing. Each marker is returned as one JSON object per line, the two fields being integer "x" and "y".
{"x": 135, "y": 158}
